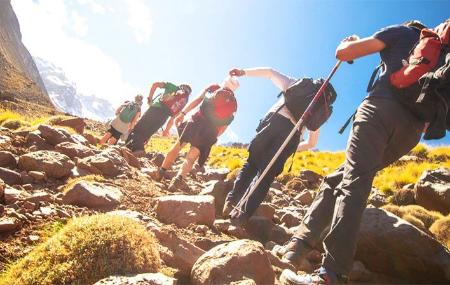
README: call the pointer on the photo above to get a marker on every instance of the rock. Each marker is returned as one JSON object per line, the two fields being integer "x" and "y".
{"x": 130, "y": 158}
{"x": 10, "y": 177}
{"x": 40, "y": 196}
{"x": 305, "y": 198}
{"x": 289, "y": 218}
{"x": 392, "y": 246}
{"x": 157, "y": 159}
{"x": 53, "y": 135}
{"x": 7, "y": 159}
{"x": 139, "y": 279}
{"x": 54, "y": 164}
{"x": 233, "y": 261}
{"x": 73, "y": 150}
{"x": 175, "y": 251}
{"x": 359, "y": 273}
{"x": 183, "y": 210}
{"x": 35, "y": 139}
{"x": 38, "y": 176}
{"x": 215, "y": 174}
{"x": 2, "y": 190}
{"x": 276, "y": 185}
{"x": 219, "y": 190}
{"x": 404, "y": 196}
{"x": 227, "y": 227}
{"x": 377, "y": 199}
{"x": 91, "y": 138}
{"x": 79, "y": 139}
{"x": 311, "y": 179}
{"x": 108, "y": 163}
{"x": 277, "y": 262}
{"x": 265, "y": 210}
{"x": 9, "y": 224}
{"x": 11, "y": 195}
{"x": 264, "y": 229}
{"x": 26, "y": 179}
{"x": 92, "y": 195}
{"x": 134, "y": 215}
{"x": 206, "y": 243}
{"x": 75, "y": 123}
{"x": 433, "y": 190}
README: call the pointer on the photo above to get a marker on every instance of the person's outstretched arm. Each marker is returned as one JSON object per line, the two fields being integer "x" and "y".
{"x": 353, "y": 47}
{"x": 311, "y": 143}
{"x": 155, "y": 86}
{"x": 279, "y": 80}
{"x": 194, "y": 103}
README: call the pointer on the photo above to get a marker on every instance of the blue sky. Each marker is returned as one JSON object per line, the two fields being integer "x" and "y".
{"x": 114, "y": 48}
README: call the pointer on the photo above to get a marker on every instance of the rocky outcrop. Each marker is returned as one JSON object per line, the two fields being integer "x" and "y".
{"x": 74, "y": 150}
{"x": 108, "y": 163}
{"x": 392, "y": 246}
{"x": 19, "y": 75}
{"x": 183, "y": 210}
{"x": 92, "y": 195}
{"x": 140, "y": 279}
{"x": 433, "y": 190}
{"x": 54, "y": 164}
{"x": 231, "y": 262}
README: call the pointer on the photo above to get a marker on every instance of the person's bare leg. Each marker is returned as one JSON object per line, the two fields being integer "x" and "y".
{"x": 189, "y": 161}
{"x": 105, "y": 138}
{"x": 172, "y": 155}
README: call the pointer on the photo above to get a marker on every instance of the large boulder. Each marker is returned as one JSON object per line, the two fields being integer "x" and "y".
{"x": 75, "y": 123}
{"x": 53, "y": 135}
{"x": 7, "y": 159}
{"x": 108, "y": 163}
{"x": 433, "y": 190}
{"x": 233, "y": 261}
{"x": 92, "y": 195}
{"x": 35, "y": 140}
{"x": 219, "y": 190}
{"x": 12, "y": 195}
{"x": 73, "y": 150}
{"x": 310, "y": 178}
{"x": 54, "y": 164}
{"x": 183, "y": 210}
{"x": 139, "y": 279}
{"x": 392, "y": 246}
{"x": 10, "y": 177}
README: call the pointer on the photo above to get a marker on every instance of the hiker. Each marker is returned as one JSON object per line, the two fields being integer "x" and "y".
{"x": 126, "y": 117}
{"x": 383, "y": 131}
{"x": 168, "y": 104}
{"x": 201, "y": 130}
{"x": 271, "y": 133}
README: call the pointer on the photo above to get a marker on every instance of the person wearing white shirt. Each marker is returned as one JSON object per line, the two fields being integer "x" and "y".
{"x": 271, "y": 132}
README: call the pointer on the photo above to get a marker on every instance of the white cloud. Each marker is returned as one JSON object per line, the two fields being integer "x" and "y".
{"x": 229, "y": 136}
{"x": 139, "y": 20}
{"x": 94, "y": 6}
{"x": 80, "y": 26}
{"x": 45, "y": 25}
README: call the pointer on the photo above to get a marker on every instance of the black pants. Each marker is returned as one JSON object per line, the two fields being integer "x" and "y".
{"x": 383, "y": 131}
{"x": 272, "y": 131}
{"x": 153, "y": 119}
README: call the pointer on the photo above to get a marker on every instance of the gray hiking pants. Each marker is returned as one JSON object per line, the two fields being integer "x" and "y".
{"x": 382, "y": 132}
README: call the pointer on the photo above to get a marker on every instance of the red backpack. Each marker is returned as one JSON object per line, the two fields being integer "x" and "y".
{"x": 424, "y": 57}
{"x": 220, "y": 107}
{"x": 175, "y": 102}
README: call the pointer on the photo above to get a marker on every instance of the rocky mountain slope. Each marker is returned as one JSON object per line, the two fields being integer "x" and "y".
{"x": 66, "y": 98}
{"x": 19, "y": 77}
{"x": 61, "y": 195}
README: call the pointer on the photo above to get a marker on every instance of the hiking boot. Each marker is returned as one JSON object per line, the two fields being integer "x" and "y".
{"x": 295, "y": 251}
{"x": 227, "y": 208}
{"x": 323, "y": 276}
{"x": 158, "y": 174}
{"x": 178, "y": 184}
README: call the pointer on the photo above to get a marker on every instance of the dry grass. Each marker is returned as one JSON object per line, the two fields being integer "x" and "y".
{"x": 441, "y": 230}
{"x": 85, "y": 250}
{"x": 416, "y": 215}
{"x": 72, "y": 181}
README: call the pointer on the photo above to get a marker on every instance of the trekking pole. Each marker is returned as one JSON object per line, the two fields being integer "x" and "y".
{"x": 297, "y": 126}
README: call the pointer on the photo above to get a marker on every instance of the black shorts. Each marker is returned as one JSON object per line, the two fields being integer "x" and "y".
{"x": 114, "y": 133}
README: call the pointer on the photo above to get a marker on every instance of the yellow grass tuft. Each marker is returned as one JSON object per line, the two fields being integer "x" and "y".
{"x": 14, "y": 124}
{"x": 441, "y": 230}
{"x": 416, "y": 215}
{"x": 85, "y": 250}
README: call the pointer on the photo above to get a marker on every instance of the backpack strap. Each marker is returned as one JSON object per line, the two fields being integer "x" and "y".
{"x": 373, "y": 77}
{"x": 351, "y": 118}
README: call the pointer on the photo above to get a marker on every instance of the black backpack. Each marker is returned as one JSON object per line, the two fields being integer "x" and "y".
{"x": 300, "y": 94}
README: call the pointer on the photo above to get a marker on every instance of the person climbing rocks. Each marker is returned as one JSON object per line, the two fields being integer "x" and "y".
{"x": 271, "y": 133}
{"x": 383, "y": 131}
{"x": 215, "y": 113}
{"x": 168, "y": 104}
{"x": 126, "y": 117}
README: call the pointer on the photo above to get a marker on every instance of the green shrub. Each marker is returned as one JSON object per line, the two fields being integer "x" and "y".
{"x": 86, "y": 250}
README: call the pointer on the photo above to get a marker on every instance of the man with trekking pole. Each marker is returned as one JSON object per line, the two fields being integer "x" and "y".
{"x": 271, "y": 132}
{"x": 168, "y": 104}
{"x": 384, "y": 129}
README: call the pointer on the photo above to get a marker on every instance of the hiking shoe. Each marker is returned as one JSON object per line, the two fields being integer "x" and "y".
{"x": 227, "y": 208}
{"x": 178, "y": 184}
{"x": 158, "y": 174}
{"x": 295, "y": 251}
{"x": 323, "y": 276}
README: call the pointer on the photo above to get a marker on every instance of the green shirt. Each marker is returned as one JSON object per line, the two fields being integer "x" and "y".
{"x": 169, "y": 89}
